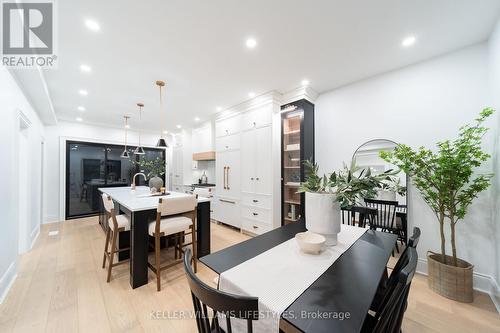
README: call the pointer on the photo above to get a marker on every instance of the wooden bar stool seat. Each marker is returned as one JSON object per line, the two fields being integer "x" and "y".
{"x": 116, "y": 224}
{"x": 174, "y": 217}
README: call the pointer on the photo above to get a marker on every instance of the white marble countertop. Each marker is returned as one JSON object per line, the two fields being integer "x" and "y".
{"x": 140, "y": 198}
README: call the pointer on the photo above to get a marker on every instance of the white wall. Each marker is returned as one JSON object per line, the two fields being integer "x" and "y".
{"x": 494, "y": 71}
{"x": 13, "y": 102}
{"x": 417, "y": 105}
{"x": 84, "y": 132}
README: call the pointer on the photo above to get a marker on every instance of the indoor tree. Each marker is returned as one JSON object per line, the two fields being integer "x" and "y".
{"x": 445, "y": 177}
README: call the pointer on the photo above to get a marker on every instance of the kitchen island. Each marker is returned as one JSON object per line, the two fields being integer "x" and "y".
{"x": 141, "y": 206}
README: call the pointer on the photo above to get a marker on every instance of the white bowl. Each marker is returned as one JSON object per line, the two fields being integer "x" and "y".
{"x": 309, "y": 242}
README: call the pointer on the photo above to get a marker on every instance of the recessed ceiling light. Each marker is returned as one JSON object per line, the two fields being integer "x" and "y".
{"x": 81, "y": 108}
{"x": 218, "y": 108}
{"x": 408, "y": 41}
{"x": 85, "y": 68}
{"x": 196, "y": 119}
{"x": 251, "y": 94}
{"x": 305, "y": 82}
{"x": 83, "y": 92}
{"x": 179, "y": 126}
{"x": 79, "y": 119}
{"x": 251, "y": 43}
{"x": 92, "y": 25}
{"x": 165, "y": 132}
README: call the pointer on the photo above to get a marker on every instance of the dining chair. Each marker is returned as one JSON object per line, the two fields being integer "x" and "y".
{"x": 385, "y": 281}
{"x": 229, "y": 305}
{"x": 358, "y": 214}
{"x": 385, "y": 220}
{"x": 175, "y": 217}
{"x": 401, "y": 222}
{"x": 395, "y": 299}
{"x": 116, "y": 224}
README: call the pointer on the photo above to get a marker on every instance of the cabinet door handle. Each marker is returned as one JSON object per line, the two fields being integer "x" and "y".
{"x": 255, "y": 214}
{"x": 254, "y": 124}
{"x": 227, "y": 175}
{"x": 227, "y": 147}
{"x": 224, "y": 176}
{"x": 257, "y": 178}
{"x": 227, "y": 201}
{"x": 255, "y": 227}
{"x": 255, "y": 200}
{"x": 251, "y": 178}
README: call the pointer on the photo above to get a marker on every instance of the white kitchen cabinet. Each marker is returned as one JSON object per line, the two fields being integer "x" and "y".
{"x": 256, "y": 161}
{"x": 227, "y": 174}
{"x": 255, "y": 227}
{"x": 202, "y": 140}
{"x": 228, "y": 126}
{"x": 230, "y": 142}
{"x": 177, "y": 171}
{"x": 256, "y": 118}
{"x": 228, "y": 211}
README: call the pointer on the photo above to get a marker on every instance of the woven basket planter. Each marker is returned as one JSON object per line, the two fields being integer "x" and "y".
{"x": 450, "y": 281}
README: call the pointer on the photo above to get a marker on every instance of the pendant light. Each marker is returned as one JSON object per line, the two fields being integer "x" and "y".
{"x": 161, "y": 141}
{"x": 125, "y": 153}
{"x": 139, "y": 150}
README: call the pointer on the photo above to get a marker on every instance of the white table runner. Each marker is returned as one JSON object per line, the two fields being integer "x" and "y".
{"x": 279, "y": 276}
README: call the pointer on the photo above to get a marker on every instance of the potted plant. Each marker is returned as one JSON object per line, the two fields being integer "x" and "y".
{"x": 447, "y": 182}
{"x": 153, "y": 169}
{"x": 326, "y": 195}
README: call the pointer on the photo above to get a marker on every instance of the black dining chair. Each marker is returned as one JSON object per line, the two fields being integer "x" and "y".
{"x": 231, "y": 306}
{"x": 395, "y": 299}
{"x": 383, "y": 285}
{"x": 385, "y": 220}
{"x": 401, "y": 222}
{"x": 359, "y": 214}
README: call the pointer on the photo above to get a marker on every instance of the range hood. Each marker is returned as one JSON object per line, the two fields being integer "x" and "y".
{"x": 204, "y": 156}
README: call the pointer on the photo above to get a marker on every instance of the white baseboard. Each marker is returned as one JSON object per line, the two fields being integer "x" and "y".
{"x": 34, "y": 236}
{"x": 7, "y": 280}
{"x": 51, "y": 219}
{"x": 481, "y": 282}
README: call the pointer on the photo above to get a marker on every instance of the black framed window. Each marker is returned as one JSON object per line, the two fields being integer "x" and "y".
{"x": 90, "y": 166}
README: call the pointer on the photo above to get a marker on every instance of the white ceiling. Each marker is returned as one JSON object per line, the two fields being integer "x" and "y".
{"x": 198, "y": 48}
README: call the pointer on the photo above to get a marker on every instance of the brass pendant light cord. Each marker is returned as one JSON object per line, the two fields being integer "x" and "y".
{"x": 162, "y": 116}
{"x": 140, "y": 124}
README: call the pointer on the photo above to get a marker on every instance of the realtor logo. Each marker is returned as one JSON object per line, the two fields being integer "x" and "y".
{"x": 28, "y": 34}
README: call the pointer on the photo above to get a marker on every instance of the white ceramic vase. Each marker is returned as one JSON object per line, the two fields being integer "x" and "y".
{"x": 323, "y": 216}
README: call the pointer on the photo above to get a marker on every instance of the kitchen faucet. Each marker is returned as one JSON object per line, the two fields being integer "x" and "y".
{"x": 133, "y": 179}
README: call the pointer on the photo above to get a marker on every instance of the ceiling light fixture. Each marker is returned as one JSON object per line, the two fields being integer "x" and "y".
{"x": 196, "y": 119}
{"x": 179, "y": 126}
{"x": 81, "y": 108}
{"x": 218, "y": 108}
{"x": 161, "y": 140}
{"x": 165, "y": 132}
{"x": 83, "y": 92}
{"x": 305, "y": 82}
{"x": 251, "y": 94}
{"x": 85, "y": 68}
{"x": 251, "y": 43}
{"x": 125, "y": 153}
{"x": 408, "y": 41}
{"x": 79, "y": 119}
{"x": 139, "y": 150}
{"x": 92, "y": 25}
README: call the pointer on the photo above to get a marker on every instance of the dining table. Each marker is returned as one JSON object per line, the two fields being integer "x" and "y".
{"x": 344, "y": 291}
{"x": 141, "y": 205}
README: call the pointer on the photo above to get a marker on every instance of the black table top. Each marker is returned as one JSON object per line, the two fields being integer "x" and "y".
{"x": 346, "y": 289}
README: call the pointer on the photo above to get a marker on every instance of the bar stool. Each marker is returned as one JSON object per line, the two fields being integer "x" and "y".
{"x": 116, "y": 224}
{"x": 180, "y": 217}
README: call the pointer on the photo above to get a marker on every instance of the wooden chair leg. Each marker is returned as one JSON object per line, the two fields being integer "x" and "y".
{"x": 112, "y": 254}
{"x": 106, "y": 248}
{"x": 157, "y": 263}
{"x": 195, "y": 248}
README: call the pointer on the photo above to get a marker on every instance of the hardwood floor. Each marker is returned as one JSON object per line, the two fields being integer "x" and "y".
{"x": 61, "y": 287}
